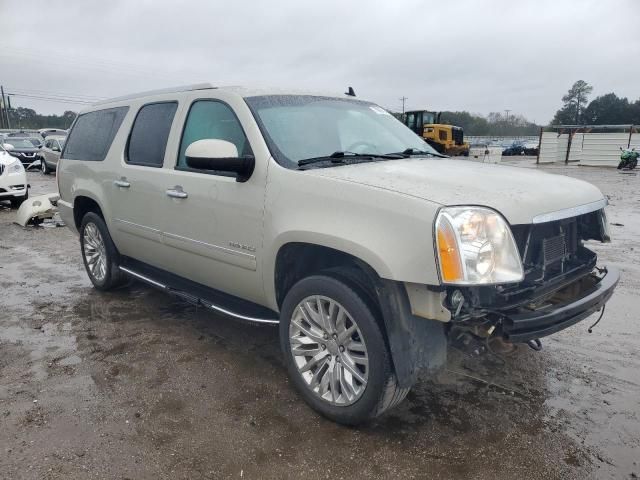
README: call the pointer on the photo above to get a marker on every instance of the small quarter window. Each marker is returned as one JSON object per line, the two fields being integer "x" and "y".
{"x": 149, "y": 135}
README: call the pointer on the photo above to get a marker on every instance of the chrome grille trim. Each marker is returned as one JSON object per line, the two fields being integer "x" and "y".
{"x": 570, "y": 212}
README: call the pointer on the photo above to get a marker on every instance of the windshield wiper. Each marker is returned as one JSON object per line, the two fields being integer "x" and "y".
{"x": 340, "y": 157}
{"x": 414, "y": 151}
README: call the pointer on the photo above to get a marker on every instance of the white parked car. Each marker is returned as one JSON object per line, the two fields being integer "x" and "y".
{"x": 13, "y": 179}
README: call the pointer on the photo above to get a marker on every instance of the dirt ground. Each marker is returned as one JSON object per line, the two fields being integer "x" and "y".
{"x": 138, "y": 385}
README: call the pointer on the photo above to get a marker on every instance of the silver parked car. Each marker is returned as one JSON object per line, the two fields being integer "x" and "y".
{"x": 327, "y": 216}
{"x": 50, "y": 153}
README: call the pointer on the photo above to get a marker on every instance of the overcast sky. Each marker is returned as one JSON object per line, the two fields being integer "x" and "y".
{"x": 479, "y": 56}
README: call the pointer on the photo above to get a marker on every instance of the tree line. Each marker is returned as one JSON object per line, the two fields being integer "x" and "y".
{"x": 608, "y": 109}
{"x": 495, "y": 124}
{"x": 27, "y": 118}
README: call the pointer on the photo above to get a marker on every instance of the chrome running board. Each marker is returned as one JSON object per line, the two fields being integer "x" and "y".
{"x": 198, "y": 300}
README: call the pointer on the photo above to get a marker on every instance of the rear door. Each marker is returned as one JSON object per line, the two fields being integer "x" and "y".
{"x": 54, "y": 154}
{"x": 137, "y": 190}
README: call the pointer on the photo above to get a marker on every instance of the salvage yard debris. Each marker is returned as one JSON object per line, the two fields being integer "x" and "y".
{"x": 37, "y": 209}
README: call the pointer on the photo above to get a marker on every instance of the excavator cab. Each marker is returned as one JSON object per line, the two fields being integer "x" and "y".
{"x": 446, "y": 139}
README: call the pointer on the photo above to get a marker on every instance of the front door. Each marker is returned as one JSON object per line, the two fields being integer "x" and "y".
{"x": 212, "y": 225}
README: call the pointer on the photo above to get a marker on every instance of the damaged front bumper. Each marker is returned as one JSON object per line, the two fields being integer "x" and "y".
{"x": 525, "y": 314}
{"x": 566, "y": 307}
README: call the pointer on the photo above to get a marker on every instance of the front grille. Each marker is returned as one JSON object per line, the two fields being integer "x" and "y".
{"x": 554, "y": 249}
{"x": 457, "y": 135}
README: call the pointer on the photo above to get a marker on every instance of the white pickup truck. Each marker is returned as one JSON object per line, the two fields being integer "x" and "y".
{"x": 326, "y": 215}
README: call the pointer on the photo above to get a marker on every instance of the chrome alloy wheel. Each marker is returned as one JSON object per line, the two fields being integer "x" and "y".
{"x": 94, "y": 252}
{"x": 329, "y": 350}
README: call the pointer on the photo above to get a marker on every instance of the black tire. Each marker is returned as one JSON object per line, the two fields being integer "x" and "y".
{"x": 44, "y": 168}
{"x": 17, "y": 201}
{"x": 113, "y": 275}
{"x": 381, "y": 392}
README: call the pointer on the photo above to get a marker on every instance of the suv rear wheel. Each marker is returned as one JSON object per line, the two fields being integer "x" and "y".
{"x": 99, "y": 254}
{"x": 335, "y": 352}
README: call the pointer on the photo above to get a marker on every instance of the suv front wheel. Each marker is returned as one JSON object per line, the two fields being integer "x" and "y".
{"x": 335, "y": 351}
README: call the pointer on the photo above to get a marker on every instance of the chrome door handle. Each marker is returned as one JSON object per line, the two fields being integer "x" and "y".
{"x": 121, "y": 183}
{"x": 177, "y": 192}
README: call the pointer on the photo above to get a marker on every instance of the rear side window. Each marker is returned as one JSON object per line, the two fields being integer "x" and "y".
{"x": 92, "y": 134}
{"x": 149, "y": 135}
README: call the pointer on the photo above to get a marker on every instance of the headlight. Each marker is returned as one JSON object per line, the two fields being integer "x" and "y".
{"x": 15, "y": 166}
{"x": 475, "y": 246}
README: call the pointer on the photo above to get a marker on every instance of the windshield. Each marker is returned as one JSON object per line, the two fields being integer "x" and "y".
{"x": 299, "y": 127}
{"x": 20, "y": 142}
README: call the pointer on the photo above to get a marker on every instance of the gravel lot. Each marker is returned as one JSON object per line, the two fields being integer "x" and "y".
{"x": 135, "y": 384}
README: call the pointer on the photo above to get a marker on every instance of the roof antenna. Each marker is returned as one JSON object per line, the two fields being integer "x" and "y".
{"x": 350, "y": 92}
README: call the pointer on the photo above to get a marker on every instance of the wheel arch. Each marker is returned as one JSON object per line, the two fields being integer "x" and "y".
{"x": 84, "y": 203}
{"x": 298, "y": 257}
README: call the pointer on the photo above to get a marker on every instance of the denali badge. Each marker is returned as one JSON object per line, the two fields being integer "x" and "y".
{"x": 248, "y": 248}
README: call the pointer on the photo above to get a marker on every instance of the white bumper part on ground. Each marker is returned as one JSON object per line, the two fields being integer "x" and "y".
{"x": 36, "y": 207}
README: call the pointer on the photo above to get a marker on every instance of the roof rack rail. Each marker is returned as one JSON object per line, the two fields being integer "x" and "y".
{"x": 182, "y": 88}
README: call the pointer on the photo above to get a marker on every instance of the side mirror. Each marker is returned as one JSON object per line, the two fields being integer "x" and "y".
{"x": 7, "y": 146}
{"x": 220, "y": 155}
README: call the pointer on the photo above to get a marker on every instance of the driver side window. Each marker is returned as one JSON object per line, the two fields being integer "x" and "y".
{"x": 212, "y": 119}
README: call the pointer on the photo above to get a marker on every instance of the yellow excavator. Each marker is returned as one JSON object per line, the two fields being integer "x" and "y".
{"x": 446, "y": 139}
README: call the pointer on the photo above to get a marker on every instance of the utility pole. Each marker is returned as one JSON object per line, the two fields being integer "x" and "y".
{"x": 403, "y": 99}
{"x": 6, "y": 110}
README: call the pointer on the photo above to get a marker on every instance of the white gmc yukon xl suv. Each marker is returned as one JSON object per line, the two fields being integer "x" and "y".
{"x": 326, "y": 215}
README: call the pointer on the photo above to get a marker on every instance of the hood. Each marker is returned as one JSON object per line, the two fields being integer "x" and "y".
{"x": 24, "y": 150}
{"x": 520, "y": 194}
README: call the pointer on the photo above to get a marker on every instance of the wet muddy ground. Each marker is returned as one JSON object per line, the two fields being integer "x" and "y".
{"x": 135, "y": 384}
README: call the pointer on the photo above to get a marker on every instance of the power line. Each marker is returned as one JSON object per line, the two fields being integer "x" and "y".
{"x": 28, "y": 91}
{"x": 79, "y": 62}
{"x": 51, "y": 99}
{"x": 15, "y": 93}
